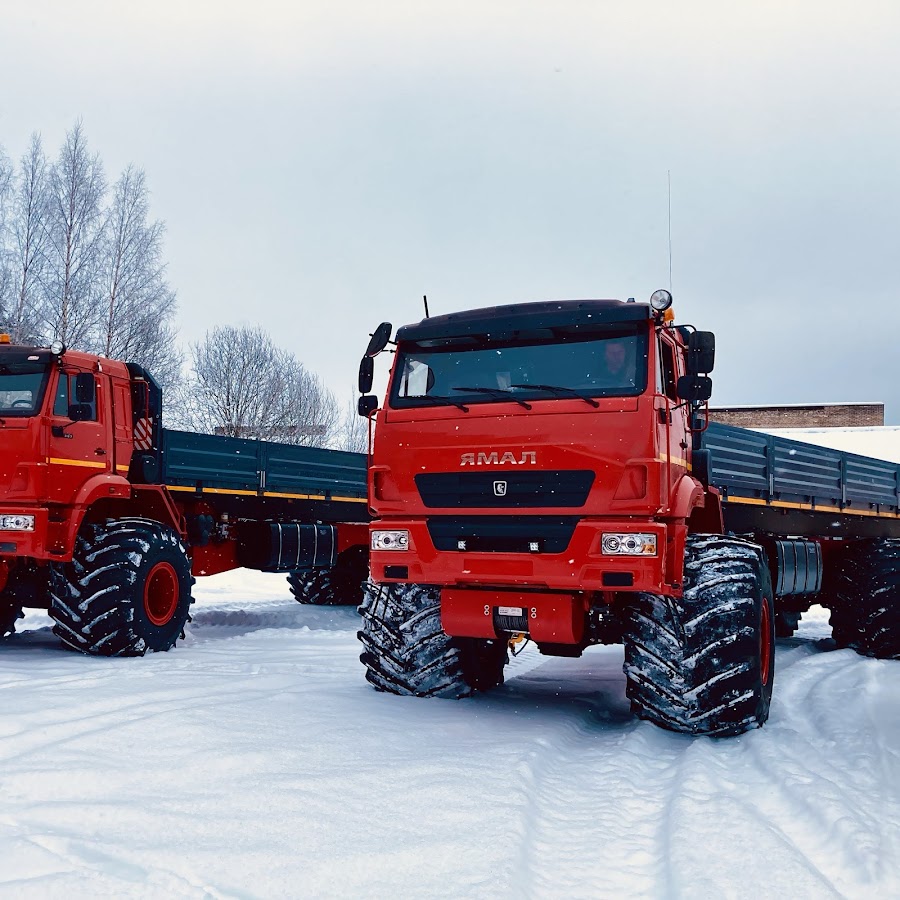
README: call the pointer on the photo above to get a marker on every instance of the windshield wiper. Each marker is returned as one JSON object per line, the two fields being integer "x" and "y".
{"x": 557, "y": 389}
{"x": 499, "y": 393}
{"x": 440, "y": 401}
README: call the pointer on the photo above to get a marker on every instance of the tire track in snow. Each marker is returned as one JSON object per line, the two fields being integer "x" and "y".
{"x": 578, "y": 790}
{"x": 834, "y": 774}
{"x": 614, "y": 807}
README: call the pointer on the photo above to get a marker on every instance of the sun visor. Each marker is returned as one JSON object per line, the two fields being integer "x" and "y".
{"x": 527, "y": 317}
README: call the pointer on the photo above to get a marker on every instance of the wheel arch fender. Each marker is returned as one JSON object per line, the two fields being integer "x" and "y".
{"x": 111, "y": 496}
{"x": 688, "y": 495}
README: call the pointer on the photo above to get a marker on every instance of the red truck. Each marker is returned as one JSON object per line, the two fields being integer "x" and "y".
{"x": 548, "y": 471}
{"x": 106, "y": 516}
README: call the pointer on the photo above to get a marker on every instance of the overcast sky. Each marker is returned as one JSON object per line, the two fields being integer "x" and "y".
{"x": 321, "y": 165}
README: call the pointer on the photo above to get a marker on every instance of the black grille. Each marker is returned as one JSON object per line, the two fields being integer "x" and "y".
{"x": 504, "y": 489}
{"x": 490, "y": 534}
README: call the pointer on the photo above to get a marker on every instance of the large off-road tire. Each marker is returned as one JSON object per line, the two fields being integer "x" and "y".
{"x": 406, "y": 652}
{"x": 338, "y": 586}
{"x": 705, "y": 663}
{"x": 865, "y": 598}
{"x": 127, "y": 589}
{"x": 9, "y": 615}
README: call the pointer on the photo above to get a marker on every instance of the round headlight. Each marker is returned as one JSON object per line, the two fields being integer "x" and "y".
{"x": 57, "y": 348}
{"x": 660, "y": 300}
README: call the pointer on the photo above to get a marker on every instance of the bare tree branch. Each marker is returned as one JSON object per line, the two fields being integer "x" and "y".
{"x": 138, "y": 305}
{"x": 6, "y": 266}
{"x": 353, "y": 431}
{"x": 75, "y": 231}
{"x": 29, "y": 243}
{"x": 242, "y": 385}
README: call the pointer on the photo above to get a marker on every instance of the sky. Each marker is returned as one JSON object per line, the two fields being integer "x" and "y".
{"x": 322, "y": 165}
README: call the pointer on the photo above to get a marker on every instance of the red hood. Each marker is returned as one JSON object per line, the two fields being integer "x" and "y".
{"x": 560, "y": 448}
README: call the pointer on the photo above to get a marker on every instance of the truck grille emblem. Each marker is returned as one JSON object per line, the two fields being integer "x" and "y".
{"x": 499, "y": 488}
{"x": 495, "y": 458}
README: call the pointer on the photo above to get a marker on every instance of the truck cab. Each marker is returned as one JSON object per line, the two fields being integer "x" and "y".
{"x": 67, "y": 441}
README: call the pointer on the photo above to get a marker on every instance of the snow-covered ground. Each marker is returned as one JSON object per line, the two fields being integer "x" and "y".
{"x": 255, "y": 761}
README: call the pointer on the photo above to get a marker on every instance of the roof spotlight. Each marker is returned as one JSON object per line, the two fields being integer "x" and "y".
{"x": 57, "y": 348}
{"x": 660, "y": 300}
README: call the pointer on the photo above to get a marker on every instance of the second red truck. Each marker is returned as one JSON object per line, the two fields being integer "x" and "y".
{"x": 545, "y": 470}
{"x": 106, "y": 516}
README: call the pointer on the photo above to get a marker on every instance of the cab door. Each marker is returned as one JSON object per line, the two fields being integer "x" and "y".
{"x": 80, "y": 444}
{"x": 121, "y": 425}
{"x": 676, "y": 439}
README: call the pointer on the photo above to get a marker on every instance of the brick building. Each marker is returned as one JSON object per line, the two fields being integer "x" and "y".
{"x": 801, "y": 415}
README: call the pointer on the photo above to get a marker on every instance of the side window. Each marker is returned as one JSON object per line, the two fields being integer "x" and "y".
{"x": 61, "y": 403}
{"x": 416, "y": 380}
{"x": 669, "y": 373}
{"x": 65, "y": 396}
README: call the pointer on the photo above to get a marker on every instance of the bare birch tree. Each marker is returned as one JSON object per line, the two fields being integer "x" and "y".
{"x": 75, "y": 230}
{"x": 6, "y": 269}
{"x": 353, "y": 431}
{"x": 138, "y": 305}
{"x": 29, "y": 239}
{"x": 242, "y": 385}
{"x": 310, "y": 414}
{"x": 77, "y": 268}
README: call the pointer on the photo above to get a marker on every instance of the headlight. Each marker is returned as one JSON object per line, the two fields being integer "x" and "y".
{"x": 390, "y": 540}
{"x": 16, "y": 523}
{"x": 660, "y": 300}
{"x": 629, "y": 544}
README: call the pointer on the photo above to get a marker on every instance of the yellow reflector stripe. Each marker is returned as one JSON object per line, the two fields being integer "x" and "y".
{"x": 84, "y": 463}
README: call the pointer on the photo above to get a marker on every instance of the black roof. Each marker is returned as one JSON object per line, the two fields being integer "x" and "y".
{"x": 522, "y": 316}
{"x": 16, "y": 353}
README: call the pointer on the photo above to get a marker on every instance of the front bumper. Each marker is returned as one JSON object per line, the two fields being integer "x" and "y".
{"x": 25, "y": 544}
{"x": 581, "y": 566}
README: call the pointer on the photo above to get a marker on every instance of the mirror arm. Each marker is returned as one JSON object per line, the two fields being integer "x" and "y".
{"x": 697, "y": 407}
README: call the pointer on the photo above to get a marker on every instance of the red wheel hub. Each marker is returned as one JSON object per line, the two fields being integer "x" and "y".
{"x": 161, "y": 593}
{"x": 765, "y": 640}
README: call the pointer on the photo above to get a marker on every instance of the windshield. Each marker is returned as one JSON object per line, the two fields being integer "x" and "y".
{"x": 611, "y": 363}
{"x": 22, "y": 387}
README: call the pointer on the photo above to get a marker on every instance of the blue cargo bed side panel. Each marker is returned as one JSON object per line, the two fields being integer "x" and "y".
{"x": 211, "y": 460}
{"x": 238, "y": 464}
{"x": 745, "y": 463}
{"x": 311, "y": 470}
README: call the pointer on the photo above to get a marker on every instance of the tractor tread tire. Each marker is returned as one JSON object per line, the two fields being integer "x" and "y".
{"x": 865, "y": 599}
{"x": 693, "y": 663}
{"x": 97, "y": 599}
{"x": 406, "y": 652}
{"x": 338, "y": 586}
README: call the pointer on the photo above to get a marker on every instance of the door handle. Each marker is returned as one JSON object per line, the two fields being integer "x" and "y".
{"x": 100, "y": 451}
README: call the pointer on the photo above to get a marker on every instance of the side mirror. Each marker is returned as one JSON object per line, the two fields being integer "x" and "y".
{"x": 366, "y": 405}
{"x": 80, "y": 412}
{"x": 379, "y": 339}
{"x": 85, "y": 388}
{"x": 701, "y": 352}
{"x": 366, "y": 374}
{"x": 694, "y": 388}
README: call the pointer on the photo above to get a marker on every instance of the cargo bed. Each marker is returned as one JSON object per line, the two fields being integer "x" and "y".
{"x": 774, "y": 484}
{"x": 304, "y": 482}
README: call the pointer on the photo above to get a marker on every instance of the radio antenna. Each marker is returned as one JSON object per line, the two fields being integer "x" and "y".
{"x": 425, "y": 301}
{"x": 669, "y": 180}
